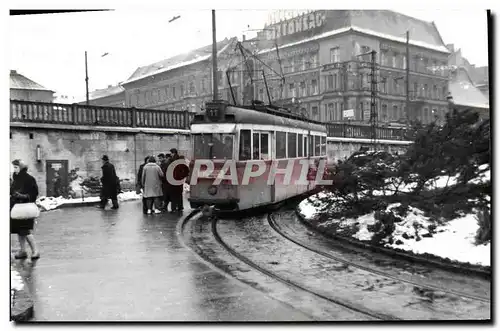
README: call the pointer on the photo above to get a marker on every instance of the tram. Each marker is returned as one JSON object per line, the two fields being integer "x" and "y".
{"x": 244, "y": 134}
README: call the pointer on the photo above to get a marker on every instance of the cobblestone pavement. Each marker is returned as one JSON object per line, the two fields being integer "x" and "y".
{"x": 376, "y": 294}
{"x": 122, "y": 265}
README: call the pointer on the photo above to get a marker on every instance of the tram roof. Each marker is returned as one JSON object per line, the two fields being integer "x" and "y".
{"x": 266, "y": 116}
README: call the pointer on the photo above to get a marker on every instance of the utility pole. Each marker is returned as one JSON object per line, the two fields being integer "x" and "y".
{"x": 373, "y": 101}
{"x": 86, "y": 79}
{"x": 214, "y": 59}
{"x": 408, "y": 111}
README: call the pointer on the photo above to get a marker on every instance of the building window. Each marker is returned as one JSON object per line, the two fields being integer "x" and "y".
{"x": 334, "y": 55}
{"x": 384, "y": 113}
{"x": 445, "y": 93}
{"x": 395, "y": 86}
{"x": 331, "y": 115}
{"x": 302, "y": 89}
{"x": 425, "y": 65}
{"x": 383, "y": 85}
{"x": 434, "y": 92}
{"x": 314, "y": 111}
{"x": 395, "y": 60}
{"x": 404, "y": 61}
{"x": 404, "y": 115}
{"x": 191, "y": 88}
{"x": 329, "y": 82}
{"x": 416, "y": 91}
{"x": 173, "y": 92}
{"x": 203, "y": 87}
{"x": 426, "y": 91}
{"x": 261, "y": 94}
{"x": 291, "y": 90}
{"x": 314, "y": 60}
{"x": 394, "y": 113}
{"x": 383, "y": 57}
{"x": 314, "y": 87}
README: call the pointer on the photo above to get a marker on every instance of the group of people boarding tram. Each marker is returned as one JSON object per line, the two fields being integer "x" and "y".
{"x": 157, "y": 191}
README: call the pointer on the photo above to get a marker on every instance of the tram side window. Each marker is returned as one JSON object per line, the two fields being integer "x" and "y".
{"x": 317, "y": 145}
{"x": 245, "y": 145}
{"x": 305, "y": 146}
{"x": 323, "y": 145}
{"x": 292, "y": 145}
{"x": 311, "y": 145}
{"x": 256, "y": 146}
{"x": 280, "y": 145}
{"x": 264, "y": 146}
{"x": 300, "y": 141}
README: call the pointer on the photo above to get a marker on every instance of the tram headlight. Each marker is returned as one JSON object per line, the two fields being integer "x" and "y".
{"x": 212, "y": 190}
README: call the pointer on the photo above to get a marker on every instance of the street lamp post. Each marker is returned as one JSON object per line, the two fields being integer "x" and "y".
{"x": 86, "y": 79}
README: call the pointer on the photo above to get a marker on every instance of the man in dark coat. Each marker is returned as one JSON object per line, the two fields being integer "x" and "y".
{"x": 163, "y": 163}
{"x": 139, "y": 185}
{"x": 180, "y": 172}
{"x": 109, "y": 182}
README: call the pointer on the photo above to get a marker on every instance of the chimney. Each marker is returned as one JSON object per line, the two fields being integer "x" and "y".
{"x": 109, "y": 86}
{"x": 13, "y": 72}
{"x": 451, "y": 47}
{"x": 244, "y": 38}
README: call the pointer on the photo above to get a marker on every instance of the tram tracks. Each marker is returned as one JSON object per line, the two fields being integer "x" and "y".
{"x": 284, "y": 231}
{"x": 336, "y": 287}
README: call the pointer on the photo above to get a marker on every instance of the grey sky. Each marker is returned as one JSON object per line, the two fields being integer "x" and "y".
{"x": 50, "y": 48}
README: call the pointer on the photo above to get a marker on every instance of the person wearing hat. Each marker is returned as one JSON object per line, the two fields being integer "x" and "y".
{"x": 109, "y": 182}
{"x": 23, "y": 189}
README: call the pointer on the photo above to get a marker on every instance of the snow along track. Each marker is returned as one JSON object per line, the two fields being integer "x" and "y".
{"x": 284, "y": 231}
{"x": 258, "y": 245}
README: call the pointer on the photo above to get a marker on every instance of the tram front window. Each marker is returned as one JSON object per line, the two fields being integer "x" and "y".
{"x": 213, "y": 146}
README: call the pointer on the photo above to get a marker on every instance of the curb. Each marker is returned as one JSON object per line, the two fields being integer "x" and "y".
{"x": 23, "y": 308}
{"x": 481, "y": 272}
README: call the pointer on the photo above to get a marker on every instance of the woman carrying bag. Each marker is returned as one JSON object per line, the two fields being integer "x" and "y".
{"x": 23, "y": 210}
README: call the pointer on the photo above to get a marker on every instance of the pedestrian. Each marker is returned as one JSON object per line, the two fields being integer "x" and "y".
{"x": 152, "y": 178}
{"x": 163, "y": 163}
{"x": 23, "y": 189}
{"x": 139, "y": 187}
{"x": 180, "y": 172}
{"x": 109, "y": 181}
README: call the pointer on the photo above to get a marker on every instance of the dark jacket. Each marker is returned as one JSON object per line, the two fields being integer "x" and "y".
{"x": 109, "y": 180}
{"x": 23, "y": 188}
{"x": 139, "y": 176}
{"x": 181, "y": 171}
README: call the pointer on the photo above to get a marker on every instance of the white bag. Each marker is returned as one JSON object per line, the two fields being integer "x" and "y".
{"x": 24, "y": 211}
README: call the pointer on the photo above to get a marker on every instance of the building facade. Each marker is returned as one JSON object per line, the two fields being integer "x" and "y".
{"x": 23, "y": 88}
{"x": 184, "y": 82}
{"x": 112, "y": 96}
{"x": 326, "y": 65}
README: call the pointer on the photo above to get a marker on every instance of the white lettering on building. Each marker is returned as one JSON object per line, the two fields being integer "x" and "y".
{"x": 296, "y": 25}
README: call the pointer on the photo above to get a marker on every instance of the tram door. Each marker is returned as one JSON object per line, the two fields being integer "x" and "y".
{"x": 272, "y": 154}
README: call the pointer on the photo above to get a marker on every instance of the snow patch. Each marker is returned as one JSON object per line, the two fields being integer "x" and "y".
{"x": 51, "y": 203}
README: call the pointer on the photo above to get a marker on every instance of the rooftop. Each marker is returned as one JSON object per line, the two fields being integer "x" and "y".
{"x": 385, "y": 24}
{"x": 106, "y": 92}
{"x": 20, "y": 82}
{"x": 178, "y": 61}
{"x": 464, "y": 92}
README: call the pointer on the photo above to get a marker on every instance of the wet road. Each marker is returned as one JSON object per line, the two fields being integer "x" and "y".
{"x": 121, "y": 265}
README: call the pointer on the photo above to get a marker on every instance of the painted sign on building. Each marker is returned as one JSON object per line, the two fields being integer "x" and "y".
{"x": 303, "y": 23}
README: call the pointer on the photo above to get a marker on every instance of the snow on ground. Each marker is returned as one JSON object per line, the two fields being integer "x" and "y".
{"x": 16, "y": 284}
{"x": 454, "y": 240}
{"x": 50, "y": 203}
